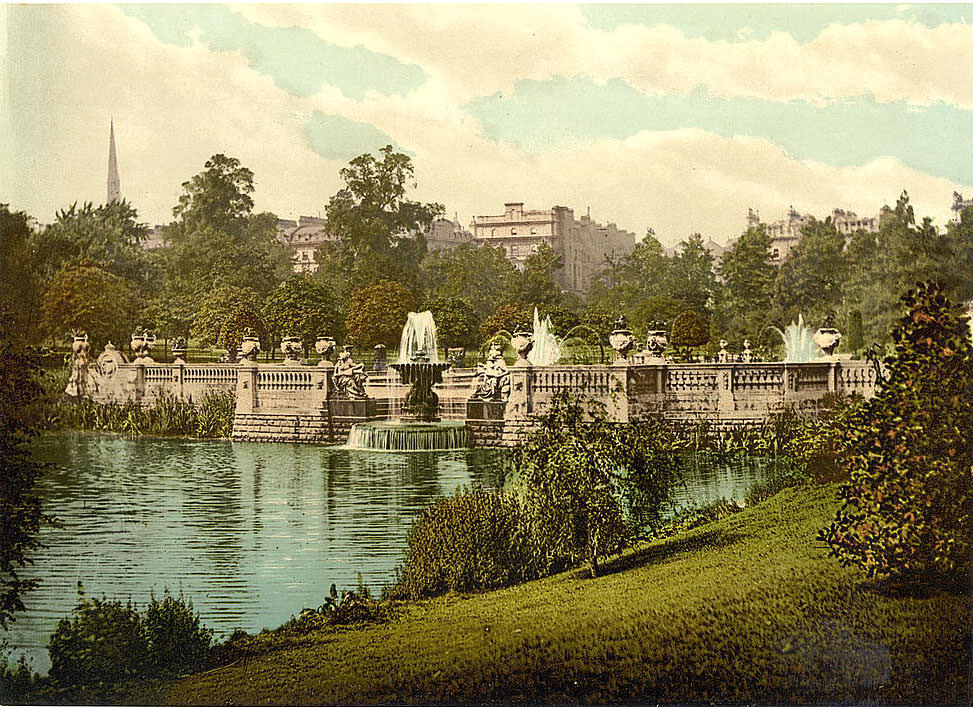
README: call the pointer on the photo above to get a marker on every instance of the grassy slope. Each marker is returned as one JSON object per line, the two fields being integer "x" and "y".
{"x": 746, "y": 609}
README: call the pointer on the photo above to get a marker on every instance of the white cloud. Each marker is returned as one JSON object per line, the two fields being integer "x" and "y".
{"x": 174, "y": 107}
{"x": 476, "y": 50}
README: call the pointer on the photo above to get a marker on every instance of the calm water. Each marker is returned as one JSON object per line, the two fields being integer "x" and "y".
{"x": 252, "y": 533}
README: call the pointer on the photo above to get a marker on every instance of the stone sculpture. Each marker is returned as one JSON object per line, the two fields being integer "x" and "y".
{"x": 723, "y": 356}
{"x": 249, "y": 348}
{"x": 621, "y": 339}
{"x": 109, "y": 360}
{"x": 523, "y": 342}
{"x": 747, "y": 355}
{"x": 323, "y": 346}
{"x": 78, "y": 382}
{"x": 142, "y": 344}
{"x": 494, "y": 378}
{"x": 179, "y": 349}
{"x": 349, "y": 377}
{"x": 656, "y": 342}
{"x": 827, "y": 340}
{"x": 292, "y": 349}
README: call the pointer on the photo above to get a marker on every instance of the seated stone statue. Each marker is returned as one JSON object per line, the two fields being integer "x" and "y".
{"x": 349, "y": 377}
{"x": 494, "y": 383}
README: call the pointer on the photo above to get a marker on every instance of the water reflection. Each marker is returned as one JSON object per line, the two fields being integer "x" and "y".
{"x": 250, "y": 532}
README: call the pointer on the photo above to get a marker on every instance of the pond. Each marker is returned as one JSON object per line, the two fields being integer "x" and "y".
{"x": 252, "y": 533}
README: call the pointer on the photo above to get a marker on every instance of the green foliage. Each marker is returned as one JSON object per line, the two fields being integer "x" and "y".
{"x": 908, "y": 503}
{"x": 692, "y": 270}
{"x": 589, "y": 485}
{"x": 211, "y": 417}
{"x": 20, "y": 506}
{"x": 216, "y": 241}
{"x": 84, "y": 297}
{"x": 536, "y": 285}
{"x": 456, "y": 321}
{"x": 22, "y": 285}
{"x": 373, "y": 223}
{"x": 812, "y": 276}
{"x": 224, "y": 315}
{"x": 304, "y": 307}
{"x": 377, "y": 313}
{"x": 175, "y": 640}
{"x": 473, "y": 540}
{"x": 480, "y": 275}
{"x": 105, "y": 641}
{"x": 509, "y": 318}
{"x": 690, "y": 328}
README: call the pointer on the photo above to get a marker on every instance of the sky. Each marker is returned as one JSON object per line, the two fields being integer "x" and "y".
{"x": 672, "y": 117}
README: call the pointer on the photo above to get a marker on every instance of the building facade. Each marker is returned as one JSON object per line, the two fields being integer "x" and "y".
{"x": 959, "y": 203}
{"x": 302, "y": 238}
{"x": 444, "y": 234}
{"x": 785, "y": 233}
{"x": 584, "y": 244}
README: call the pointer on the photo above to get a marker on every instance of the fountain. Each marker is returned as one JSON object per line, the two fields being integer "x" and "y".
{"x": 419, "y": 427}
{"x": 546, "y": 350}
{"x": 801, "y": 345}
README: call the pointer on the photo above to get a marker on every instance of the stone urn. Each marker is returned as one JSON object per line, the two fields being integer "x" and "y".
{"x": 522, "y": 342}
{"x": 142, "y": 344}
{"x": 291, "y": 347}
{"x": 827, "y": 340}
{"x": 381, "y": 362}
{"x": 81, "y": 346}
{"x": 249, "y": 348}
{"x": 747, "y": 355}
{"x": 656, "y": 342}
{"x": 179, "y": 349}
{"x": 723, "y": 356}
{"x": 323, "y": 346}
{"x": 621, "y": 339}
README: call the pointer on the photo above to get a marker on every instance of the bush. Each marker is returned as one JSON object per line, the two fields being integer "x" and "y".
{"x": 908, "y": 502}
{"x": 473, "y": 540}
{"x": 176, "y": 642}
{"x": 102, "y": 642}
{"x": 105, "y": 642}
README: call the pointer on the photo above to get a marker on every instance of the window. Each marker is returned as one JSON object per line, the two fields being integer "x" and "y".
{"x": 776, "y": 253}
{"x": 513, "y": 231}
{"x": 533, "y": 231}
{"x": 493, "y": 231}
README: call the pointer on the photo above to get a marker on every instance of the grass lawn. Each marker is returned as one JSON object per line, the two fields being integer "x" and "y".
{"x": 749, "y": 608}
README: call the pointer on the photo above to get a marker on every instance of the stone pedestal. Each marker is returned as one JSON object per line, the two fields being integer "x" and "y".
{"x": 485, "y": 409}
{"x": 360, "y": 408}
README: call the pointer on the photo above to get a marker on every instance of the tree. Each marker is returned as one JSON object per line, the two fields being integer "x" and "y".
{"x": 20, "y": 505}
{"x": 908, "y": 502}
{"x": 691, "y": 273}
{"x": 302, "y": 306}
{"x": 456, "y": 322}
{"x": 690, "y": 328}
{"x": 588, "y": 485}
{"x": 377, "y": 313}
{"x": 224, "y": 316}
{"x": 480, "y": 275}
{"x": 109, "y": 236}
{"x": 21, "y": 291}
{"x": 85, "y": 297}
{"x": 748, "y": 292}
{"x": 377, "y": 230}
{"x": 509, "y": 318}
{"x": 536, "y": 285}
{"x": 217, "y": 241}
{"x": 811, "y": 279}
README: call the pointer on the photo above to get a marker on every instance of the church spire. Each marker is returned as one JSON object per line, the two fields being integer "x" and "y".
{"x": 114, "y": 189}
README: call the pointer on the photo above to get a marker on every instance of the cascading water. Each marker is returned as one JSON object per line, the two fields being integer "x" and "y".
{"x": 395, "y": 435}
{"x": 419, "y": 335}
{"x": 421, "y": 430}
{"x": 547, "y": 349}
{"x": 799, "y": 346}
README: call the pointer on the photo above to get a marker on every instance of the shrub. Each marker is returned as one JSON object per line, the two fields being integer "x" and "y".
{"x": 690, "y": 328}
{"x": 589, "y": 486}
{"x": 106, "y": 642}
{"x": 472, "y": 540}
{"x": 176, "y": 642}
{"x": 908, "y": 503}
{"x": 102, "y": 642}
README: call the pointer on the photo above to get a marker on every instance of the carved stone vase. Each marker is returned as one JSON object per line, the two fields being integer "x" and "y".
{"x": 827, "y": 340}
{"x": 323, "y": 346}
{"x": 522, "y": 342}
{"x": 622, "y": 340}
{"x": 249, "y": 348}
{"x": 291, "y": 347}
{"x": 656, "y": 343}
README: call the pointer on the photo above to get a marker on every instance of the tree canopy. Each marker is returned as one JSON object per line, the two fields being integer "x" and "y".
{"x": 377, "y": 313}
{"x": 88, "y": 298}
{"x": 302, "y": 306}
